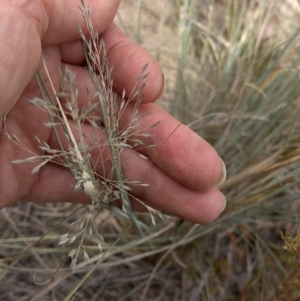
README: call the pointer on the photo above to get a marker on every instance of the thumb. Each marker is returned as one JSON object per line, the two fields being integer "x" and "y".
{"x": 26, "y": 25}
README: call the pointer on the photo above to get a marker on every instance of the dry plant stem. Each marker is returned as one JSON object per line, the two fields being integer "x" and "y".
{"x": 34, "y": 253}
{"x": 88, "y": 185}
{"x": 83, "y": 266}
{"x": 100, "y": 74}
{"x": 160, "y": 261}
{"x": 66, "y": 123}
{"x": 31, "y": 245}
{"x": 42, "y": 88}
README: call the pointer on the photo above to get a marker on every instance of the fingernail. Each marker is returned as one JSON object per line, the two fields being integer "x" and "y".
{"x": 225, "y": 202}
{"x": 223, "y": 173}
{"x": 163, "y": 88}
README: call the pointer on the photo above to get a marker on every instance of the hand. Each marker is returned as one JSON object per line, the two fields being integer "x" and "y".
{"x": 182, "y": 169}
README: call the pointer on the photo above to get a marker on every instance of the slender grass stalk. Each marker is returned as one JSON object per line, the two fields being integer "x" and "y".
{"x": 139, "y": 21}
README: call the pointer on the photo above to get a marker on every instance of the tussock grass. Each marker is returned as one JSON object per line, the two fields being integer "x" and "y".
{"x": 234, "y": 79}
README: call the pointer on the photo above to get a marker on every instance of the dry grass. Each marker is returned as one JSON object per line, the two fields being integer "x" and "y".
{"x": 232, "y": 75}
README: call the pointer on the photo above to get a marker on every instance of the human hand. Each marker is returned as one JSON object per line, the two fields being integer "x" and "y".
{"x": 183, "y": 169}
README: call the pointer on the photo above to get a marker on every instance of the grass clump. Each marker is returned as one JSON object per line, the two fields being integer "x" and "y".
{"x": 232, "y": 74}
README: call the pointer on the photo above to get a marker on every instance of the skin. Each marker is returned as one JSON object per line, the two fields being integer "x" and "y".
{"x": 183, "y": 169}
